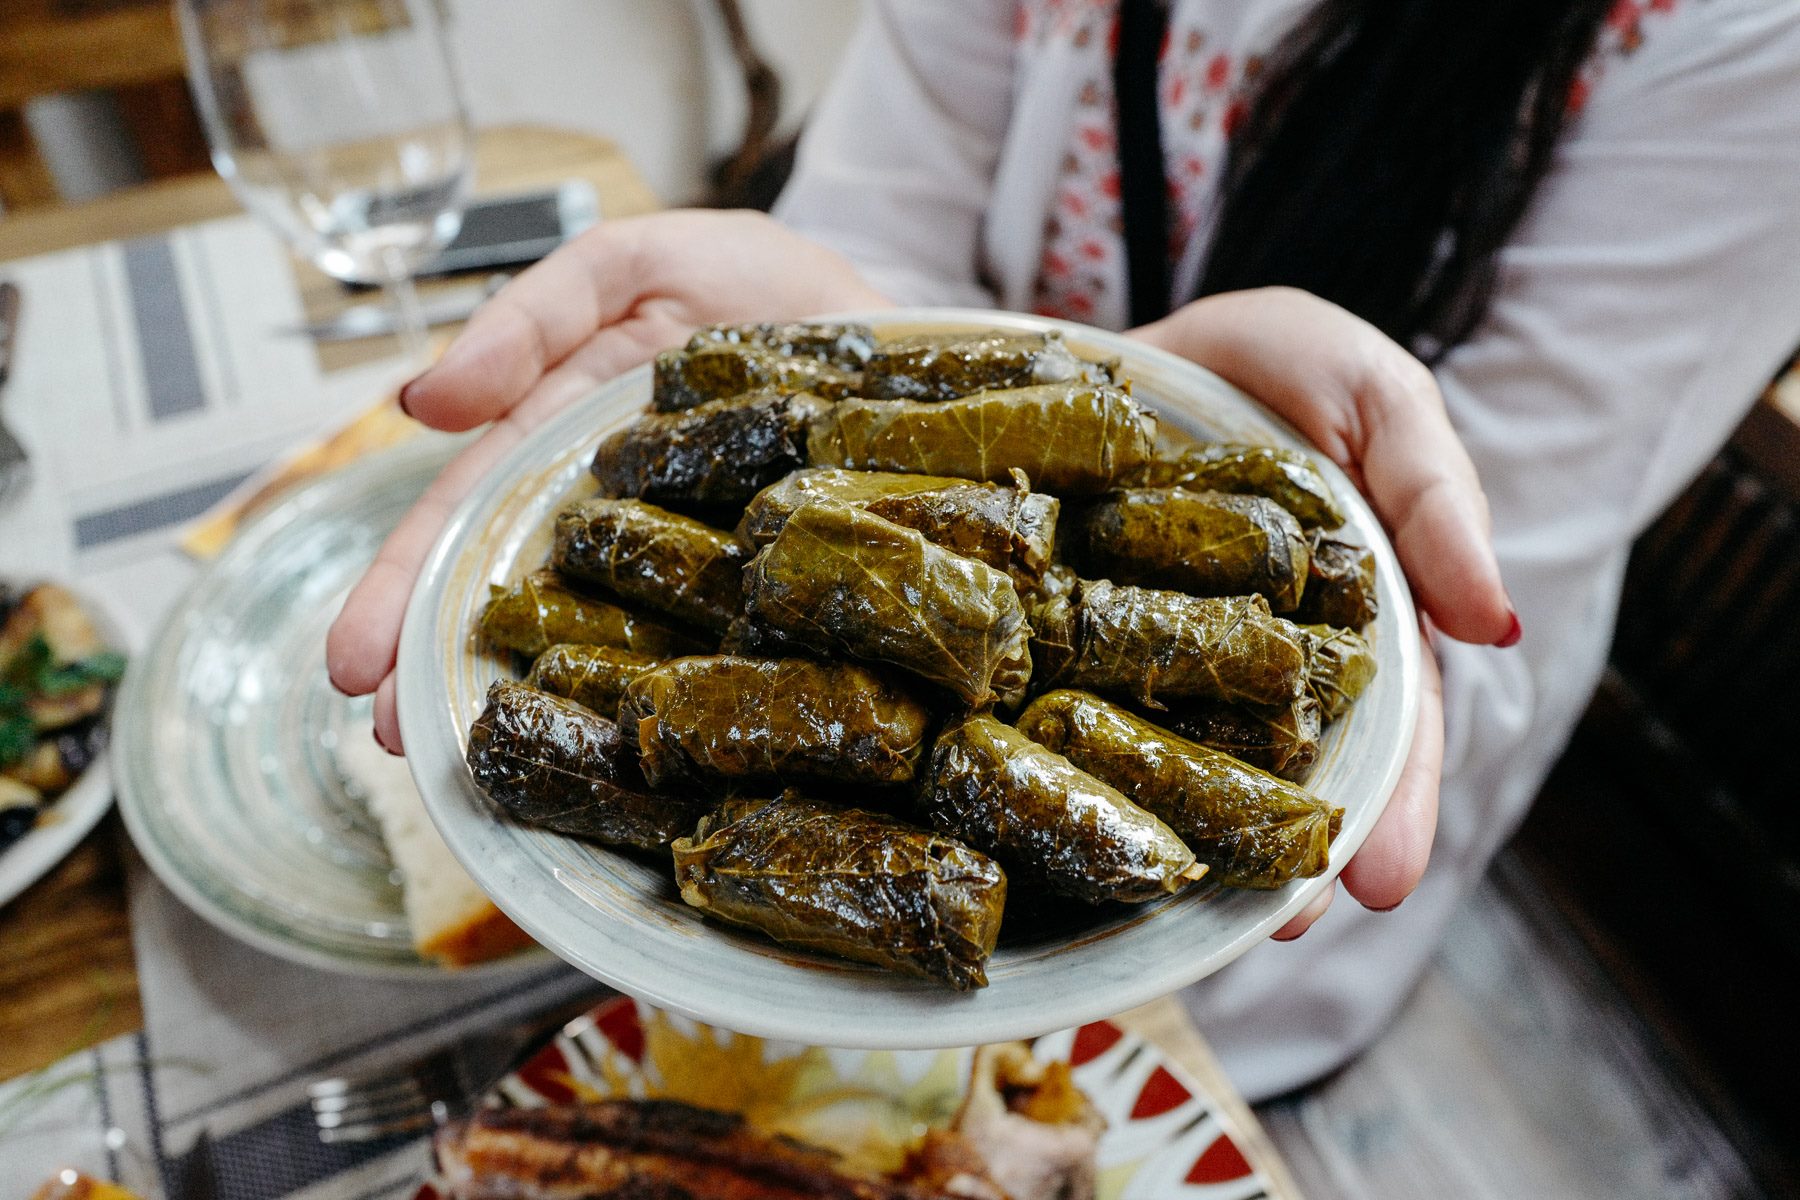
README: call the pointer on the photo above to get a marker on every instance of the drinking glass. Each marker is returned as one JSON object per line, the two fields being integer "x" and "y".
{"x": 342, "y": 124}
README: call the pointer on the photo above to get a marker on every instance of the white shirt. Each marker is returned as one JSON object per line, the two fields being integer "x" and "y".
{"x": 1650, "y": 292}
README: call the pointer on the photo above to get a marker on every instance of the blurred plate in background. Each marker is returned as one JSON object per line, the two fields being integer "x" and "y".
{"x": 229, "y": 739}
{"x": 67, "y": 819}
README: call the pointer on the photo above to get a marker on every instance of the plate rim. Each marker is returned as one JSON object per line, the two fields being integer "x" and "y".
{"x": 293, "y": 505}
{"x": 955, "y": 1020}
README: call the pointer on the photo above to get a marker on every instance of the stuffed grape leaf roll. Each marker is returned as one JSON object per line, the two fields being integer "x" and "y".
{"x": 1282, "y": 740}
{"x": 846, "y": 882}
{"x": 659, "y": 559}
{"x": 1340, "y": 585}
{"x": 751, "y": 638}
{"x": 1046, "y": 820}
{"x": 1148, "y": 645}
{"x": 770, "y": 509}
{"x": 948, "y": 366}
{"x": 716, "y": 454}
{"x": 541, "y": 610}
{"x": 687, "y": 378}
{"x": 551, "y": 762}
{"x": 841, "y": 345}
{"x": 1253, "y": 829}
{"x": 846, "y": 582}
{"x": 1339, "y": 666}
{"x": 1011, "y": 528}
{"x": 787, "y": 719}
{"x": 592, "y": 676}
{"x": 1202, "y": 543}
{"x": 1068, "y": 438}
{"x": 1288, "y": 477}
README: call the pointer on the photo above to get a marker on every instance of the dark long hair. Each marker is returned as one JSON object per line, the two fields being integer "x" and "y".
{"x": 1389, "y": 151}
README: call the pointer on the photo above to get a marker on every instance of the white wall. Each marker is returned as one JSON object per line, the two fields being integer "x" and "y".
{"x": 653, "y": 75}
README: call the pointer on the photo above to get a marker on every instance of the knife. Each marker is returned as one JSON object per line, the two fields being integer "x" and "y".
{"x": 14, "y": 466}
{"x": 442, "y": 307}
{"x": 9, "y": 325}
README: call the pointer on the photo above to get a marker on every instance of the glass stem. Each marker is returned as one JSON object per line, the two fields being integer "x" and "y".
{"x": 409, "y": 315}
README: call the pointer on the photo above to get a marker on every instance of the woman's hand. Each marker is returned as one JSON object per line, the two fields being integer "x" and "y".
{"x": 599, "y": 306}
{"x": 1376, "y": 411}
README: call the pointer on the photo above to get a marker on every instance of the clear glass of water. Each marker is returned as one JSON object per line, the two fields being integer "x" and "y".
{"x": 342, "y": 124}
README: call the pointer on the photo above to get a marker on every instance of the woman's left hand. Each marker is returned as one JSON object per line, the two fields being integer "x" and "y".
{"x": 1377, "y": 412}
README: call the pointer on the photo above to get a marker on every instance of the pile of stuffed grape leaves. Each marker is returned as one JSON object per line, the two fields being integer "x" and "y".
{"x": 873, "y": 642}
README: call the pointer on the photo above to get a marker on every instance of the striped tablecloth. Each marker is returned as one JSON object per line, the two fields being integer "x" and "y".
{"x": 209, "y": 1100}
{"x": 151, "y": 380}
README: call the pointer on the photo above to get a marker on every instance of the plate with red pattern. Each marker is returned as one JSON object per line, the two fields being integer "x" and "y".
{"x": 1165, "y": 1136}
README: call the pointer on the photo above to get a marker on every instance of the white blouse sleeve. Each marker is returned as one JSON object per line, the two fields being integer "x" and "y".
{"x": 1650, "y": 293}
{"x": 896, "y": 165}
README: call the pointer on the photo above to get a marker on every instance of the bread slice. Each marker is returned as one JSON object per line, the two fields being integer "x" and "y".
{"x": 453, "y": 922}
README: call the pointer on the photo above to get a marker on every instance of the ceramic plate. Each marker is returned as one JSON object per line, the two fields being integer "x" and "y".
{"x": 69, "y": 818}
{"x": 1165, "y": 1138}
{"x": 623, "y": 921}
{"x": 227, "y": 734}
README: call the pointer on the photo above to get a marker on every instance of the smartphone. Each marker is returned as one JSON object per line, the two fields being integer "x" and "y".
{"x": 511, "y": 231}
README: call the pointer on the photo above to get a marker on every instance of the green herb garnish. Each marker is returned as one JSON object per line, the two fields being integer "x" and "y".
{"x": 17, "y": 736}
{"x": 34, "y": 671}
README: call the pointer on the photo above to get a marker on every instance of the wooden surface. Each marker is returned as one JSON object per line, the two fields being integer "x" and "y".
{"x": 1517, "y": 1070}
{"x": 1669, "y": 823}
{"x": 66, "y": 970}
{"x": 24, "y": 179}
{"x": 64, "y": 945}
{"x": 507, "y": 159}
{"x": 51, "y": 47}
{"x": 165, "y": 127}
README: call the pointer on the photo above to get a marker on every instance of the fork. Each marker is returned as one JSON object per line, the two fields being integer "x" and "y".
{"x": 15, "y": 469}
{"x": 433, "y": 1089}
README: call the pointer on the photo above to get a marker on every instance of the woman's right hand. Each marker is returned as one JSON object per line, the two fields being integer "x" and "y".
{"x": 606, "y": 302}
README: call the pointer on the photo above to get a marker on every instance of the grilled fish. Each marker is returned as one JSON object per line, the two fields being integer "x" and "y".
{"x": 641, "y": 1150}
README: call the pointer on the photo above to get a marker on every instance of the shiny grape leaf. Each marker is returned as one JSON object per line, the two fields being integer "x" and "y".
{"x": 723, "y": 716}
{"x": 1068, "y": 439}
{"x": 1255, "y": 830}
{"x": 847, "y": 882}
{"x": 1046, "y": 820}
{"x": 845, "y": 582}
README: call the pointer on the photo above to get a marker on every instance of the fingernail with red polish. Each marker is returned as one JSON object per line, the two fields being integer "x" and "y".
{"x": 406, "y": 395}
{"x": 375, "y": 732}
{"x": 1513, "y": 634}
{"x": 1391, "y": 907}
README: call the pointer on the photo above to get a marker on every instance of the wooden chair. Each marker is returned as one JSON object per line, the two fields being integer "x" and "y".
{"x": 127, "y": 47}
{"x": 753, "y": 174}
{"x": 1670, "y": 825}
